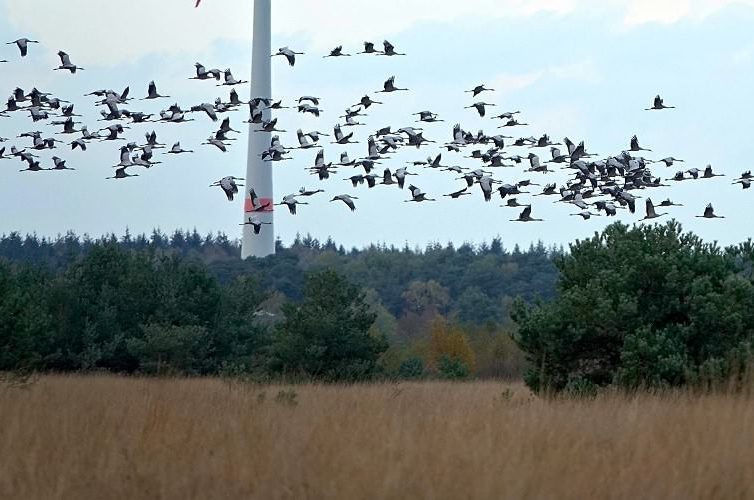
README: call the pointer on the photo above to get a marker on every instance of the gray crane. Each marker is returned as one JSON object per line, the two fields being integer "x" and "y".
{"x": 658, "y": 104}
{"x": 22, "y": 44}
{"x": 389, "y": 50}
{"x": 256, "y": 224}
{"x": 650, "y": 210}
{"x": 288, "y": 54}
{"x": 347, "y": 199}
{"x": 478, "y": 90}
{"x": 709, "y": 213}
{"x": 389, "y": 86}
{"x": 66, "y": 64}
{"x": 480, "y": 107}
{"x": 525, "y": 216}
{"x": 337, "y": 52}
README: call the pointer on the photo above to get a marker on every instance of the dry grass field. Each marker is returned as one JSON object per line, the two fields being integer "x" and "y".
{"x": 103, "y": 437}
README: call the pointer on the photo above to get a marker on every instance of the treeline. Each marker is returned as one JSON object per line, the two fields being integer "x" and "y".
{"x": 141, "y": 312}
{"x": 125, "y": 311}
{"x": 633, "y": 307}
{"x": 476, "y": 283}
{"x": 188, "y": 304}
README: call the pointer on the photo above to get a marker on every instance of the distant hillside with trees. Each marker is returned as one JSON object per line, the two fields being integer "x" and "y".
{"x": 474, "y": 284}
{"x": 633, "y": 307}
{"x": 186, "y": 303}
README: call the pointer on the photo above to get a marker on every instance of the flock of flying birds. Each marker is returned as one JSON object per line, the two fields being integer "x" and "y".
{"x": 596, "y": 185}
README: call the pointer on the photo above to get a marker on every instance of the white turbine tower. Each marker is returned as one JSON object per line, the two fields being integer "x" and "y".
{"x": 259, "y": 172}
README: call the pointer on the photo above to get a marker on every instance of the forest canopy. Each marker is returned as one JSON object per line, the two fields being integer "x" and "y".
{"x": 637, "y": 306}
{"x": 188, "y": 304}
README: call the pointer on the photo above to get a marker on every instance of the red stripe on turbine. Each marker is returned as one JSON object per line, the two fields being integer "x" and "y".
{"x": 263, "y": 205}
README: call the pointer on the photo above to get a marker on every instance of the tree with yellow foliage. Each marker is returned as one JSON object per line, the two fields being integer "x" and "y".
{"x": 450, "y": 351}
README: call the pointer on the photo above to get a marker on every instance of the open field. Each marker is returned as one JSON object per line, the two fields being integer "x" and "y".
{"x": 105, "y": 437}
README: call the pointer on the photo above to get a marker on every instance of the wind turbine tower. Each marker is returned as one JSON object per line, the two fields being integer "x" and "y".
{"x": 259, "y": 172}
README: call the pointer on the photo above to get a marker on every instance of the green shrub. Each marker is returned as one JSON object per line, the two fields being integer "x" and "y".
{"x": 327, "y": 336}
{"x": 411, "y": 368}
{"x": 452, "y": 369}
{"x": 644, "y": 306}
{"x": 167, "y": 349}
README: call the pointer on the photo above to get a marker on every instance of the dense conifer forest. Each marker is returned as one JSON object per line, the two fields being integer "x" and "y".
{"x": 475, "y": 281}
{"x": 632, "y": 306}
{"x": 187, "y": 303}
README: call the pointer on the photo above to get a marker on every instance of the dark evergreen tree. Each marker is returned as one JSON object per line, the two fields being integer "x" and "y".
{"x": 327, "y": 336}
{"x": 648, "y": 305}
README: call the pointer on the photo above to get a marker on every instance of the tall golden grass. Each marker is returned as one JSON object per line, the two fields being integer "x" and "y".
{"x": 101, "y": 437}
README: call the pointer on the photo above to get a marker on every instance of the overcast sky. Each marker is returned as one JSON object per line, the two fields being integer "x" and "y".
{"x": 585, "y": 69}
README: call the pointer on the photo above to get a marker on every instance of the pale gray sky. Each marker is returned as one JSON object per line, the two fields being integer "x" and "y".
{"x": 581, "y": 68}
